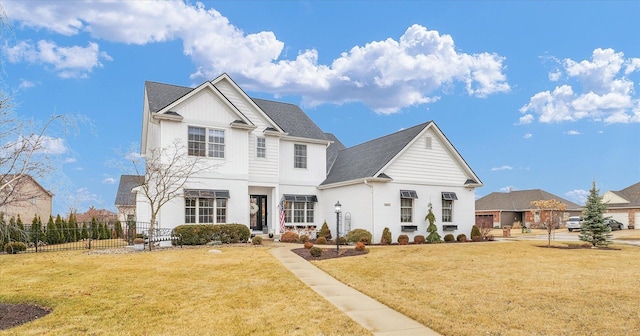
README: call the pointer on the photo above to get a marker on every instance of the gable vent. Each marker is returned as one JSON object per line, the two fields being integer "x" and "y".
{"x": 427, "y": 142}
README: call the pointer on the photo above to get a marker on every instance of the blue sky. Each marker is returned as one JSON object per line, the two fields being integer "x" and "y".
{"x": 533, "y": 94}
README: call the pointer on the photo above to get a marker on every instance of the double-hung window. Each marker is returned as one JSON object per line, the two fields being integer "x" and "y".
{"x": 447, "y": 206}
{"x": 261, "y": 147}
{"x": 299, "y": 156}
{"x": 206, "y": 142}
{"x": 406, "y": 205}
{"x": 205, "y": 206}
{"x": 299, "y": 212}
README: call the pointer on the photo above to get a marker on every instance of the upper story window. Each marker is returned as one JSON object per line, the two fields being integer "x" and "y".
{"x": 300, "y": 156}
{"x": 206, "y": 142}
{"x": 261, "y": 147}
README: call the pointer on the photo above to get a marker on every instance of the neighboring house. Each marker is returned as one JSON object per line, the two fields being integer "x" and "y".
{"x": 624, "y": 205}
{"x": 126, "y": 198}
{"x": 26, "y": 197}
{"x": 270, "y": 156}
{"x": 500, "y": 209}
{"x": 101, "y": 216}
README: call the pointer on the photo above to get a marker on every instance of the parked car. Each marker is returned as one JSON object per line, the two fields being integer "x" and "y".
{"x": 614, "y": 224}
{"x": 574, "y": 223}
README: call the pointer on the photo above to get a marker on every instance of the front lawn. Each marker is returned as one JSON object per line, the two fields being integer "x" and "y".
{"x": 190, "y": 291}
{"x": 502, "y": 288}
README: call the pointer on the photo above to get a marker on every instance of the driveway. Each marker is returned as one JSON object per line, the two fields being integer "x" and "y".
{"x": 565, "y": 235}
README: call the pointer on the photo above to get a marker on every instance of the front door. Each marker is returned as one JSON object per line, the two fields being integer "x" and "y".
{"x": 258, "y": 212}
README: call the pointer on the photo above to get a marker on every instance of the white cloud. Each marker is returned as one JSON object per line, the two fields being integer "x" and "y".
{"x": 385, "y": 75}
{"x": 25, "y": 84}
{"x": 577, "y": 196}
{"x": 604, "y": 92}
{"x": 109, "y": 180}
{"x": 69, "y": 160}
{"x": 526, "y": 119}
{"x": 34, "y": 144}
{"x": 505, "y": 167}
{"x": 527, "y": 136}
{"x": 572, "y": 132}
{"x": 83, "y": 195}
{"x": 555, "y": 75}
{"x": 68, "y": 62}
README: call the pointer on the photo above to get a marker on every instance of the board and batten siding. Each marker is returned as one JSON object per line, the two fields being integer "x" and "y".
{"x": 420, "y": 164}
{"x": 263, "y": 169}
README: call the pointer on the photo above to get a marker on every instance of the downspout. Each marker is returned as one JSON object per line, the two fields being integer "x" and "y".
{"x": 372, "y": 211}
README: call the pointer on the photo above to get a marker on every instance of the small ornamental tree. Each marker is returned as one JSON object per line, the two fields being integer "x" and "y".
{"x": 594, "y": 230}
{"x": 550, "y": 212}
{"x": 84, "y": 233}
{"x": 324, "y": 231}
{"x": 432, "y": 229}
{"x": 118, "y": 229}
{"x": 52, "y": 236}
{"x": 35, "y": 232}
{"x": 95, "y": 233}
{"x": 386, "y": 237}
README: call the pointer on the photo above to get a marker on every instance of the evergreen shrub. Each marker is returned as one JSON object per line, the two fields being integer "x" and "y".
{"x": 419, "y": 239}
{"x": 359, "y": 235}
{"x": 461, "y": 237}
{"x": 14, "y": 247}
{"x": 321, "y": 240}
{"x": 449, "y": 237}
{"x": 257, "y": 240}
{"x": 386, "y": 237}
{"x": 315, "y": 251}
{"x": 403, "y": 239}
{"x": 324, "y": 231}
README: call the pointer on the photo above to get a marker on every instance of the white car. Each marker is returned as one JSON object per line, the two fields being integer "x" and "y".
{"x": 574, "y": 223}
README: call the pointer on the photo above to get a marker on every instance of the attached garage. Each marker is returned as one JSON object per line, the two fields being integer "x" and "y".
{"x": 483, "y": 221}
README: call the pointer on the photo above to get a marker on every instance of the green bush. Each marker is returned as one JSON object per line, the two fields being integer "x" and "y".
{"x": 315, "y": 251}
{"x": 194, "y": 234}
{"x": 14, "y": 247}
{"x": 321, "y": 240}
{"x": 289, "y": 237}
{"x": 449, "y": 237}
{"x": 403, "y": 239}
{"x": 386, "y": 237}
{"x": 461, "y": 237}
{"x": 303, "y": 238}
{"x": 342, "y": 241}
{"x": 419, "y": 239}
{"x": 257, "y": 240}
{"x": 324, "y": 231}
{"x": 475, "y": 232}
{"x": 230, "y": 233}
{"x": 359, "y": 235}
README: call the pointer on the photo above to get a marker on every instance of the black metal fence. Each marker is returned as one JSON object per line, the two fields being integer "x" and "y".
{"x": 82, "y": 236}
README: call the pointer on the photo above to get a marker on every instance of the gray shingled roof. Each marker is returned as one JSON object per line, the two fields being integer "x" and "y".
{"x": 366, "y": 159}
{"x": 291, "y": 119}
{"x": 519, "y": 200}
{"x": 333, "y": 149}
{"x": 124, "y": 195}
{"x": 631, "y": 194}
{"x": 160, "y": 95}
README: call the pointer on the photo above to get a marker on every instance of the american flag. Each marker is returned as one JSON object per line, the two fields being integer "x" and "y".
{"x": 281, "y": 208}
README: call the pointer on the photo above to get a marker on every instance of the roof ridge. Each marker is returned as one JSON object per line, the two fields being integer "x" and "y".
{"x": 388, "y": 135}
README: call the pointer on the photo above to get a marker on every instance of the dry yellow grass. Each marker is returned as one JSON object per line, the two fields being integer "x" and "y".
{"x": 242, "y": 291}
{"x": 502, "y": 288}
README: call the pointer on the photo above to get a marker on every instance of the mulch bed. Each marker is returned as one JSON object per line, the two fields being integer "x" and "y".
{"x": 328, "y": 253}
{"x": 12, "y": 315}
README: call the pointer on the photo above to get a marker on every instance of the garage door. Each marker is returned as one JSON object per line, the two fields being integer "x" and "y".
{"x": 483, "y": 221}
{"x": 620, "y": 217}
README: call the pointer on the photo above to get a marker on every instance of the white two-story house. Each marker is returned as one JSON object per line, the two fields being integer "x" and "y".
{"x": 270, "y": 156}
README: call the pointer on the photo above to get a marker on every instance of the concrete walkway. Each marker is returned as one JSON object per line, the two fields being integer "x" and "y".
{"x": 371, "y": 314}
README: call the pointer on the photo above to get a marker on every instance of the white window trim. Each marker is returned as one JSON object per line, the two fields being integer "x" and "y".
{"x": 258, "y": 148}
{"x": 208, "y": 145}
{"x": 410, "y": 220}
{"x": 289, "y": 210}
{"x": 306, "y": 156}
{"x": 197, "y": 210}
{"x": 447, "y": 208}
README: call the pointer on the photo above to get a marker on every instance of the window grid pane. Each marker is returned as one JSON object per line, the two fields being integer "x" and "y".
{"x": 197, "y": 141}
{"x": 261, "y": 150}
{"x": 300, "y": 156}
{"x": 205, "y": 210}
{"x": 287, "y": 212}
{"x": 190, "y": 210}
{"x": 406, "y": 210}
{"x": 216, "y": 143}
{"x": 310, "y": 212}
{"x": 447, "y": 211}
{"x": 221, "y": 210}
{"x": 298, "y": 212}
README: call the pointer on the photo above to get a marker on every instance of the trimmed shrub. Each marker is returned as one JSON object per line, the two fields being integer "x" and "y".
{"x": 193, "y": 234}
{"x": 257, "y": 240}
{"x": 230, "y": 233}
{"x": 14, "y": 247}
{"x": 475, "y": 232}
{"x": 449, "y": 237}
{"x": 321, "y": 240}
{"x": 303, "y": 238}
{"x": 359, "y": 235}
{"x": 308, "y": 245}
{"x": 386, "y": 237}
{"x": 289, "y": 237}
{"x": 403, "y": 239}
{"x": 461, "y": 237}
{"x": 342, "y": 241}
{"x": 360, "y": 246}
{"x": 477, "y": 238}
{"x": 315, "y": 251}
{"x": 324, "y": 231}
{"x": 419, "y": 239}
